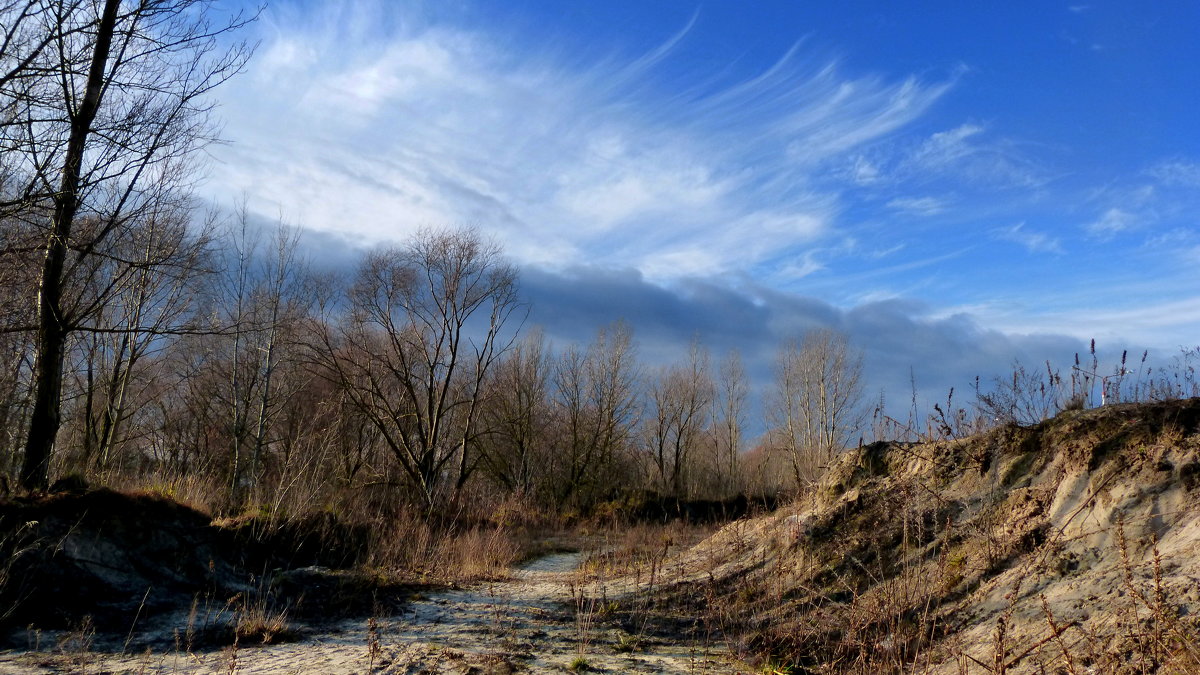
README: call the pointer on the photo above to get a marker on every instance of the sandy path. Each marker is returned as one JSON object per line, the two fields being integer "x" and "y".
{"x": 526, "y": 624}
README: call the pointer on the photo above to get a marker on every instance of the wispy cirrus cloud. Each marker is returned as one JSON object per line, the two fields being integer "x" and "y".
{"x": 966, "y": 155}
{"x": 373, "y": 119}
{"x": 1034, "y": 242}
{"x": 971, "y": 156}
{"x": 1176, "y": 173}
{"x": 920, "y": 206}
{"x": 944, "y": 148}
{"x": 1110, "y": 223}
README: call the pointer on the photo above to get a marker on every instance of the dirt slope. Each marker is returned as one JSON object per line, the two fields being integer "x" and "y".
{"x": 114, "y": 557}
{"x": 1071, "y": 546}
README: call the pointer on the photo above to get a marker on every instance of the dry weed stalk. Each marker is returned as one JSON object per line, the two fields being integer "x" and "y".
{"x": 373, "y": 646}
{"x": 586, "y": 611}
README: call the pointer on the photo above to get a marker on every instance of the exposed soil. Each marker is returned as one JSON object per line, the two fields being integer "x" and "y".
{"x": 121, "y": 558}
{"x": 1068, "y": 546}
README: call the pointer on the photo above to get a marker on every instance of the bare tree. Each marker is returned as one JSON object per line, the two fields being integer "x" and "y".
{"x": 18, "y": 283}
{"x": 426, "y": 324}
{"x": 519, "y": 416}
{"x": 284, "y": 299}
{"x": 596, "y": 399}
{"x": 816, "y": 405}
{"x": 100, "y": 124}
{"x": 167, "y": 258}
{"x": 728, "y": 409}
{"x": 682, "y": 395}
{"x": 264, "y": 293}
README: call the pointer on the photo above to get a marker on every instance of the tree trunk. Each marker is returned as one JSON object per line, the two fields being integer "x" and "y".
{"x": 52, "y": 327}
{"x": 45, "y": 418}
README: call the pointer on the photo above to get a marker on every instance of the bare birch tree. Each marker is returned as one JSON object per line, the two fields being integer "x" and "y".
{"x": 682, "y": 396}
{"x": 519, "y": 416}
{"x": 167, "y": 258}
{"x": 728, "y": 411}
{"x": 816, "y": 407}
{"x": 264, "y": 294}
{"x": 596, "y": 398}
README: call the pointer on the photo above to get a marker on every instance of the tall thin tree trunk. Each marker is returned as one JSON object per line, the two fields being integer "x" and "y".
{"x": 53, "y": 330}
{"x": 264, "y": 402}
{"x": 114, "y": 411}
{"x": 45, "y": 419}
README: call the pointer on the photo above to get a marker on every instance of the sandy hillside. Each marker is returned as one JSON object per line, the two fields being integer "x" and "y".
{"x": 1071, "y": 546}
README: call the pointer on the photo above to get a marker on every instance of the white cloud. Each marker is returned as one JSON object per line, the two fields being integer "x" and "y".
{"x": 1155, "y": 324}
{"x": 921, "y": 206}
{"x": 367, "y": 118}
{"x": 1177, "y": 173}
{"x": 945, "y": 147}
{"x": 962, "y": 156}
{"x": 1034, "y": 242}
{"x": 1110, "y": 223}
{"x": 864, "y": 172}
{"x": 879, "y": 254}
{"x": 806, "y": 265}
{"x": 1179, "y": 245}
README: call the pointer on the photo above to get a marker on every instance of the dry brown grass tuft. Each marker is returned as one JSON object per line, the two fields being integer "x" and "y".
{"x": 255, "y": 624}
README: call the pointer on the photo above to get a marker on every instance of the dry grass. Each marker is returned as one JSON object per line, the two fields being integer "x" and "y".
{"x": 256, "y": 624}
{"x": 411, "y": 548}
{"x": 635, "y": 548}
{"x": 1001, "y": 553}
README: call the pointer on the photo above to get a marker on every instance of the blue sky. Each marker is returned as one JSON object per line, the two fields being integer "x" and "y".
{"x": 954, "y": 186}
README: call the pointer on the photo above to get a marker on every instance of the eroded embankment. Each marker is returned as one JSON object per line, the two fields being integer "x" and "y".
{"x": 114, "y": 559}
{"x": 1069, "y": 546}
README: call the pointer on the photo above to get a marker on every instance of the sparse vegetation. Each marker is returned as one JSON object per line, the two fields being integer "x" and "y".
{"x": 1004, "y": 552}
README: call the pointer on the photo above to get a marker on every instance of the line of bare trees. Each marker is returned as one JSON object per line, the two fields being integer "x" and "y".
{"x": 238, "y": 370}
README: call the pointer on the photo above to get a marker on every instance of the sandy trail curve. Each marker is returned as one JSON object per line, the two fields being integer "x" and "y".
{"x": 527, "y": 624}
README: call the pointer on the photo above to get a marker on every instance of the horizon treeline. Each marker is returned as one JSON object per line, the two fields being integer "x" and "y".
{"x": 230, "y": 372}
{"x": 221, "y": 359}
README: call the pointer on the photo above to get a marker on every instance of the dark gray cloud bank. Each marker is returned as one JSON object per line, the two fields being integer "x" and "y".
{"x": 902, "y": 340}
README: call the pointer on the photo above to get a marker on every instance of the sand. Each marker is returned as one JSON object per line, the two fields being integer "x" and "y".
{"x": 533, "y": 622}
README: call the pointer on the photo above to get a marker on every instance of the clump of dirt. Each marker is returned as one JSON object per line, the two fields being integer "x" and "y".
{"x": 108, "y": 558}
{"x": 101, "y": 553}
{"x": 319, "y": 594}
{"x": 311, "y": 539}
{"x": 1064, "y": 546}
